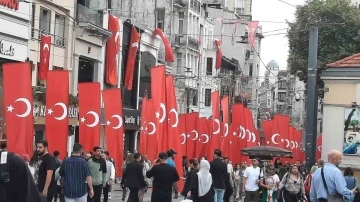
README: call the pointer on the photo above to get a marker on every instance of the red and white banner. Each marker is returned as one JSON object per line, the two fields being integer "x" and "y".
{"x": 225, "y": 142}
{"x": 114, "y": 128}
{"x": 216, "y": 135}
{"x": 130, "y": 64}
{"x": 158, "y": 93}
{"x": 192, "y": 134}
{"x": 143, "y": 123}
{"x": 113, "y": 45}
{"x": 57, "y": 104}
{"x": 218, "y": 54}
{"x": 318, "y": 147}
{"x": 150, "y": 130}
{"x": 169, "y": 55}
{"x": 89, "y": 114}
{"x": 252, "y": 29}
{"x": 45, "y": 45}
{"x": 18, "y": 104}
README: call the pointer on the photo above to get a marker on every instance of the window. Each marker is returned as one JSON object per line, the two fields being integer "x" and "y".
{"x": 281, "y": 97}
{"x": 195, "y": 99}
{"x": 207, "y": 97}
{"x": 181, "y": 22}
{"x": 282, "y": 84}
{"x": 45, "y": 20}
{"x": 209, "y": 64}
{"x": 160, "y": 18}
{"x": 269, "y": 93}
{"x": 33, "y": 20}
{"x": 59, "y": 31}
{"x": 179, "y": 66}
{"x": 250, "y": 70}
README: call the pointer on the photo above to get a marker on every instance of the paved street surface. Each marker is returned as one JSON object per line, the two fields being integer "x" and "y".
{"x": 116, "y": 195}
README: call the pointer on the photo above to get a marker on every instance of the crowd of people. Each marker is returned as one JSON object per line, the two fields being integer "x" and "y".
{"x": 90, "y": 176}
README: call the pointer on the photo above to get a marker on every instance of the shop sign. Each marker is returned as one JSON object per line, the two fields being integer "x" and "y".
{"x": 41, "y": 111}
{"x": 13, "y": 4}
{"x": 6, "y": 50}
{"x": 132, "y": 120}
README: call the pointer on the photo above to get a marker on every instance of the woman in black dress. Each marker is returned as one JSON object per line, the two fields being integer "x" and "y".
{"x": 202, "y": 189}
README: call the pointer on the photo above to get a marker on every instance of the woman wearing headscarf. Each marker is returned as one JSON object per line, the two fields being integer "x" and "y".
{"x": 202, "y": 189}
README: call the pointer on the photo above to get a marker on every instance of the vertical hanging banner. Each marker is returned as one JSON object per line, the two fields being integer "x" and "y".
{"x": 89, "y": 114}
{"x": 169, "y": 55}
{"x": 252, "y": 29}
{"x": 216, "y": 136}
{"x": 112, "y": 49}
{"x": 151, "y": 130}
{"x": 18, "y": 104}
{"x": 114, "y": 128}
{"x": 158, "y": 91}
{"x": 204, "y": 138}
{"x": 318, "y": 147}
{"x": 218, "y": 54}
{"x": 183, "y": 134}
{"x": 130, "y": 64}
{"x": 45, "y": 45}
{"x": 143, "y": 135}
{"x": 225, "y": 125}
{"x": 192, "y": 134}
{"x": 57, "y": 104}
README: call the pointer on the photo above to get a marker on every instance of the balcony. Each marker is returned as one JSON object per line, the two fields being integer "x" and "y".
{"x": 193, "y": 43}
{"x": 58, "y": 41}
{"x": 176, "y": 42}
{"x": 85, "y": 14}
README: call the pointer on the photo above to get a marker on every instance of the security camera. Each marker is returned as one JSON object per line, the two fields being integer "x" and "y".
{"x": 297, "y": 97}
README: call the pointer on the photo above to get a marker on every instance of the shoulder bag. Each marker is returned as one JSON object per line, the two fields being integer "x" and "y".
{"x": 330, "y": 197}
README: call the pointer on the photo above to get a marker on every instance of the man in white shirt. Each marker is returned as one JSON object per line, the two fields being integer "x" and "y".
{"x": 110, "y": 175}
{"x": 251, "y": 182}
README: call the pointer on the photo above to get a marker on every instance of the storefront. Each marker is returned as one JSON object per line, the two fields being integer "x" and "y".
{"x": 14, "y": 38}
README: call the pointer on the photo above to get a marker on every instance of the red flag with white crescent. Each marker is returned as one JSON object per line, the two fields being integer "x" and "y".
{"x": 151, "y": 130}
{"x": 169, "y": 54}
{"x": 143, "y": 135}
{"x": 318, "y": 146}
{"x": 252, "y": 29}
{"x": 216, "y": 136}
{"x": 204, "y": 138}
{"x": 267, "y": 127}
{"x": 158, "y": 91}
{"x": 183, "y": 134}
{"x": 89, "y": 114}
{"x": 112, "y": 49}
{"x": 130, "y": 64}
{"x": 218, "y": 54}
{"x": 114, "y": 128}
{"x": 192, "y": 134}
{"x": 225, "y": 143}
{"x": 57, "y": 104}
{"x": 45, "y": 45}
{"x": 18, "y": 104}
{"x": 234, "y": 141}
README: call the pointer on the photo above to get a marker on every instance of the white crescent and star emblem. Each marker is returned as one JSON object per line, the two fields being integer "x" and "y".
{"x": 273, "y": 138}
{"x": 119, "y": 118}
{"x": 28, "y": 107}
{"x": 218, "y": 125}
{"x": 153, "y": 128}
{"x": 319, "y": 148}
{"x": 64, "y": 108}
{"x": 206, "y": 138}
{"x": 163, "y": 115}
{"x": 242, "y": 133}
{"x": 96, "y": 117}
{"x": 184, "y": 138}
{"x": 287, "y": 143}
{"x": 176, "y": 118}
{"x": 46, "y": 46}
{"x": 196, "y": 135}
{"x": 135, "y": 45}
{"x": 292, "y": 144}
{"x": 227, "y": 129}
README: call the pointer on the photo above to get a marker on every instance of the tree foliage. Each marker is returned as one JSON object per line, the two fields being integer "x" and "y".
{"x": 339, "y": 33}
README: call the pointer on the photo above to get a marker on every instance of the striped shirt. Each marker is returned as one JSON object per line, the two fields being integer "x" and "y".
{"x": 74, "y": 170}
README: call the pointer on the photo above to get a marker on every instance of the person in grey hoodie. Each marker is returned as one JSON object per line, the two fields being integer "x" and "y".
{"x": 98, "y": 169}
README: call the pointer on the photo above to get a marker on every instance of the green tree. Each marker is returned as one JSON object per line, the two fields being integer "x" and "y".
{"x": 354, "y": 123}
{"x": 339, "y": 33}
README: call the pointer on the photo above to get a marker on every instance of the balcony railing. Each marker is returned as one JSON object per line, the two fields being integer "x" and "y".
{"x": 56, "y": 40}
{"x": 193, "y": 43}
{"x": 176, "y": 41}
{"x": 84, "y": 14}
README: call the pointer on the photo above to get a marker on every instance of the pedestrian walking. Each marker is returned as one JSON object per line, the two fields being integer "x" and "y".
{"x": 201, "y": 189}
{"x": 251, "y": 182}
{"x": 75, "y": 177}
{"x": 110, "y": 175}
{"x": 98, "y": 170}
{"x": 218, "y": 170}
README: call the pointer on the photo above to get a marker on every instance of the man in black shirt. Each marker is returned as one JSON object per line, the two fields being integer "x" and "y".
{"x": 218, "y": 170}
{"x": 194, "y": 168}
{"x": 44, "y": 171}
{"x": 165, "y": 177}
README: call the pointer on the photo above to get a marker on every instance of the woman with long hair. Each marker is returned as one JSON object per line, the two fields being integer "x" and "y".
{"x": 237, "y": 181}
{"x": 270, "y": 182}
{"x": 145, "y": 167}
{"x": 292, "y": 186}
{"x": 202, "y": 189}
{"x": 129, "y": 159}
{"x": 351, "y": 180}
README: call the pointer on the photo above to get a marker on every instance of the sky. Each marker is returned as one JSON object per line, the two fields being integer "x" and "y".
{"x": 274, "y": 47}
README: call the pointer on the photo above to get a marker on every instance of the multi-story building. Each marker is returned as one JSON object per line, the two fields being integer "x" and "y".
{"x": 280, "y": 93}
{"x": 15, "y": 30}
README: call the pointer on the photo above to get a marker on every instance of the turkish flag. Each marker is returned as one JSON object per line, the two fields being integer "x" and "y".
{"x": 45, "y": 45}
{"x": 143, "y": 135}
{"x": 268, "y": 128}
{"x": 89, "y": 114}
{"x": 192, "y": 134}
{"x": 216, "y": 136}
{"x": 150, "y": 130}
{"x": 112, "y": 49}
{"x": 130, "y": 64}
{"x": 114, "y": 128}
{"x": 204, "y": 138}
{"x": 18, "y": 103}
{"x": 158, "y": 91}
{"x": 252, "y": 29}
{"x": 57, "y": 104}
{"x": 281, "y": 129}
{"x": 183, "y": 136}
{"x": 318, "y": 147}
{"x": 225, "y": 125}
{"x": 250, "y": 129}
{"x": 234, "y": 141}
{"x": 218, "y": 54}
{"x": 210, "y": 124}
{"x": 169, "y": 55}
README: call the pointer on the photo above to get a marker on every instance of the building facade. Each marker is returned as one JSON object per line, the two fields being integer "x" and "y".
{"x": 15, "y": 31}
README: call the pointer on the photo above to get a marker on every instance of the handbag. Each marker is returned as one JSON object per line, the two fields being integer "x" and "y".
{"x": 307, "y": 184}
{"x": 330, "y": 197}
{"x": 280, "y": 194}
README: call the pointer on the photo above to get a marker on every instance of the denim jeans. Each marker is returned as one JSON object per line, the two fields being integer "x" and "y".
{"x": 219, "y": 195}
